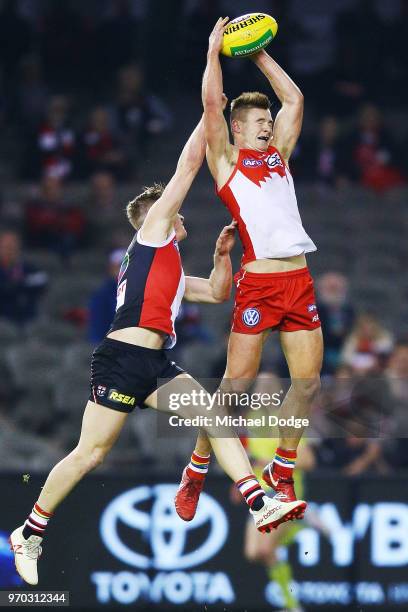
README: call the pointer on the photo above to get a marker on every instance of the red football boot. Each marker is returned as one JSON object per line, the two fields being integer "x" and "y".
{"x": 187, "y": 496}
{"x": 284, "y": 487}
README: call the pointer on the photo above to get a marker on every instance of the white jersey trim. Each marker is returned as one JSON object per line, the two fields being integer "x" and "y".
{"x": 156, "y": 245}
{"x": 175, "y": 307}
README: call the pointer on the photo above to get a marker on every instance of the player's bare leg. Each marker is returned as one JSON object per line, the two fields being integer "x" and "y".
{"x": 100, "y": 429}
{"x": 304, "y": 353}
{"x": 267, "y": 513}
{"x": 240, "y": 371}
{"x": 239, "y": 374}
{"x": 229, "y": 451}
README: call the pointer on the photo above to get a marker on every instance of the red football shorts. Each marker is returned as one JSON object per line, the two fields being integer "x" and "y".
{"x": 278, "y": 300}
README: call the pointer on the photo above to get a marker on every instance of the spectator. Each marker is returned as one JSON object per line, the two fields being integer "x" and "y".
{"x": 397, "y": 46}
{"x": 51, "y": 223}
{"x": 322, "y": 156}
{"x": 104, "y": 198}
{"x": 62, "y": 44}
{"x": 373, "y": 159}
{"x": 35, "y": 451}
{"x": 358, "y": 60}
{"x": 190, "y": 329}
{"x": 4, "y": 102}
{"x": 137, "y": 113}
{"x": 352, "y": 455}
{"x": 196, "y": 22}
{"x": 15, "y": 38}
{"x": 52, "y": 149}
{"x": 353, "y": 402}
{"x": 336, "y": 315}
{"x": 32, "y": 92}
{"x": 368, "y": 344}
{"x": 103, "y": 301}
{"x": 397, "y": 376}
{"x": 397, "y": 371}
{"x": 101, "y": 147}
{"x": 116, "y": 37}
{"x": 21, "y": 284}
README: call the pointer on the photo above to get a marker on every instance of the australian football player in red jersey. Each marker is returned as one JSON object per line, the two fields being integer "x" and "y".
{"x": 130, "y": 364}
{"x": 274, "y": 289}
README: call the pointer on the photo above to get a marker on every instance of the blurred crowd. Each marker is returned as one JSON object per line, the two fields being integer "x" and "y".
{"x": 358, "y": 420}
{"x": 83, "y": 89}
{"x": 85, "y": 100}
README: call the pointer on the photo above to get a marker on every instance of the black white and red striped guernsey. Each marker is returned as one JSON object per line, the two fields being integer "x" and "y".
{"x": 151, "y": 285}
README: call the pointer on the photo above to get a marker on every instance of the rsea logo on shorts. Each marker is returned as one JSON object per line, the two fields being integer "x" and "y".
{"x": 121, "y": 397}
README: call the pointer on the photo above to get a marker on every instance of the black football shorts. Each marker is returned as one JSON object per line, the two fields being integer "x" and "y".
{"x": 123, "y": 375}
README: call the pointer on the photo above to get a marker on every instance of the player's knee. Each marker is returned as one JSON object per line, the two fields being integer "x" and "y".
{"x": 238, "y": 381}
{"x": 89, "y": 459}
{"x": 313, "y": 387}
{"x": 97, "y": 456}
{"x": 308, "y": 387}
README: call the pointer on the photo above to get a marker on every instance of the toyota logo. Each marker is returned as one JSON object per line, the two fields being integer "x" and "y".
{"x": 251, "y": 317}
{"x": 163, "y": 539}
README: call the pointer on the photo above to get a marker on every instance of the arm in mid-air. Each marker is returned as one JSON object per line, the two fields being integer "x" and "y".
{"x": 160, "y": 219}
{"x": 217, "y": 288}
{"x": 219, "y": 147}
{"x": 288, "y": 122}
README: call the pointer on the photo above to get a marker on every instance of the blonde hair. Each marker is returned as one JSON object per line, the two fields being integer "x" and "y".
{"x": 137, "y": 209}
{"x": 246, "y": 101}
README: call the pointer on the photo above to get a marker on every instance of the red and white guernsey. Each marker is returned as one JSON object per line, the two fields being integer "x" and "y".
{"x": 260, "y": 196}
{"x": 151, "y": 285}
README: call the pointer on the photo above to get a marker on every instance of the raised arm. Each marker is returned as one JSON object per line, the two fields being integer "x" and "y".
{"x": 288, "y": 122}
{"x": 217, "y": 288}
{"x": 216, "y": 129}
{"x": 160, "y": 219}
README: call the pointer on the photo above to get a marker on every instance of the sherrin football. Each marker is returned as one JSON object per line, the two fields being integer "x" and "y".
{"x": 248, "y": 34}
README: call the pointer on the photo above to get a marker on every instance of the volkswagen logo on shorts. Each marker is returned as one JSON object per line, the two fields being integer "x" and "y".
{"x": 141, "y": 528}
{"x": 251, "y": 317}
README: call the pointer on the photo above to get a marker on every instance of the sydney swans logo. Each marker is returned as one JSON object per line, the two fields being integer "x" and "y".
{"x": 161, "y": 530}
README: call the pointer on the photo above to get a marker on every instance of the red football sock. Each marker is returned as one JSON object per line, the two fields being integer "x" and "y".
{"x": 284, "y": 463}
{"x": 198, "y": 466}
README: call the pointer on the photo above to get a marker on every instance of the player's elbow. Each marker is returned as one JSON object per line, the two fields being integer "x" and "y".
{"x": 212, "y": 110}
{"x": 296, "y": 99}
{"x": 221, "y": 296}
{"x": 211, "y": 102}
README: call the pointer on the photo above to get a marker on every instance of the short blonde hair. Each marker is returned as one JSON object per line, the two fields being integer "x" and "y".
{"x": 138, "y": 208}
{"x": 246, "y": 101}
